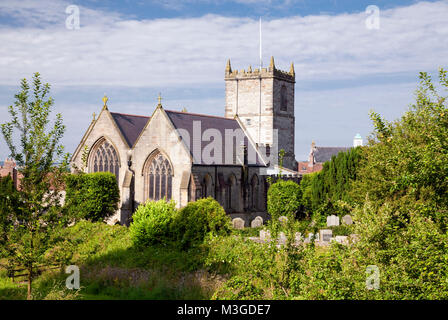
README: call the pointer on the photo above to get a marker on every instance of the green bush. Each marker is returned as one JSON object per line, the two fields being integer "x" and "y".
{"x": 92, "y": 196}
{"x": 152, "y": 223}
{"x": 199, "y": 220}
{"x": 284, "y": 199}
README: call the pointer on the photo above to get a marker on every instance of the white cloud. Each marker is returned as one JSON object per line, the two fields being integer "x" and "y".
{"x": 46, "y": 13}
{"x": 113, "y": 50}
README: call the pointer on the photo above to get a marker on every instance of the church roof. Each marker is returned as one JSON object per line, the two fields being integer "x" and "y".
{"x": 185, "y": 121}
{"x": 130, "y": 125}
{"x": 324, "y": 154}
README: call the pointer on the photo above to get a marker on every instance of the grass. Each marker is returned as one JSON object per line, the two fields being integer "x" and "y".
{"x": 112, "y": 268}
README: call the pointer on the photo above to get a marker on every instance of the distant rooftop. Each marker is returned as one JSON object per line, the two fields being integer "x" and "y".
{"x": 324, "y": 154}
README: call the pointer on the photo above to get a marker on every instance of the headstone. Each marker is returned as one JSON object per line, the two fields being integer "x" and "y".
{"x": 238, "y": 223}
{"x": 341, "y": 239}
{"x": 257, "y": 222}
{"x": 282, "y": 238}
{"x": 311, "y": 237}
{"x": 283, "y": 219}
{"x": 265, "y": 235}
{"x": 298, "y": 237}
{"x": 332, "y": 221}
{"x": 347, "y": 219}
{"x": 326, "y": 235}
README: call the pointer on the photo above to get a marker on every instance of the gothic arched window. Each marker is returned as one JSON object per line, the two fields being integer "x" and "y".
{"x": 284, "y": 99}
{"x": 231, "y": 194}
{"x": 105, "y": 159}
{"x": 254, "y": 191}
{"x": 158, "y": 178}
{"x": 207, "y": 186}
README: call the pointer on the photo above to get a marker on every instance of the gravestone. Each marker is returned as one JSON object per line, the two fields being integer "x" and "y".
{"x": 282, "y": 238}
{"x": 347, "y": 219}
{"x": 332, "y": 221}
{"x": 257, "y": 222}
{"x": 312, "y": 237}
{"x": 341, "y": 239}
{"x": 238, "y": 223}
{"x": 283, "y": 219}
{"x": 298, "y": 237}
{"x": 326, "y": 235}
{"x": 265, "y": 235}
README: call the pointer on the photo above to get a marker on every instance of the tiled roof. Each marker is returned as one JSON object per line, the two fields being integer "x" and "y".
{"x": 185, "y": 121}
{"x": 130, "y": 125}
{"x": 324, "y": 154}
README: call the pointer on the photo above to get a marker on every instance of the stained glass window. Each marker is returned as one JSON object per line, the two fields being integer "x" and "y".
{"x": 105, "y": 159}
{"x": 158, "y": 178}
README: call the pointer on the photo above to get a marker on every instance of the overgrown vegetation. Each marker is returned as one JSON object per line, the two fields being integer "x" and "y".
{"x": 200, "y": 220}
{"x": 111, "y": 267}
{"x": 160, "y": 222}
{"x": 91, "y": 196}
{"x": 395, "y": 189}
{"x": 323, "y": 192}
{"x": 152, "y": 223}
{"x": 42, "y": 163}
{"x": 396, "y": 192}
{"x": 284, "y": 199}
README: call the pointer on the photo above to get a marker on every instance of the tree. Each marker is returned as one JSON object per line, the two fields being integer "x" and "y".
{"x": 42, "y": 162}
{"x": 333, "y": 183}
{"x": 91, "y": 196}
{"x": 407, "y": 161}
{"x": 284, "y": 199}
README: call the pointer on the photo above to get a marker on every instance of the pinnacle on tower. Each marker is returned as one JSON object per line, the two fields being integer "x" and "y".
{"x": 291, "y": 70}
{"x": 228, "y": 67}
{"x": 272, "y": 65}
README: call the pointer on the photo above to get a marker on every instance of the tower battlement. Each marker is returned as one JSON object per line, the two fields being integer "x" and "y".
{"x": 271, "y": 72}
{"x": 263, "y": 99}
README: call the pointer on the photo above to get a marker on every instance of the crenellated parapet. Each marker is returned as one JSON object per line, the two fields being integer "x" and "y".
{"x": 270, "y": 72}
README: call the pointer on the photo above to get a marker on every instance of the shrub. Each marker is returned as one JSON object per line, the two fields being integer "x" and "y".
{"x": 92, "y": 196}
{"x": 152, "y": 223}
{"x": 284, "y": 199}
{"x": 199, "y": 220}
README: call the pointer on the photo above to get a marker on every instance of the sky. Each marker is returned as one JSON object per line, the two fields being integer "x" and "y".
{"x": 346, "y": 63}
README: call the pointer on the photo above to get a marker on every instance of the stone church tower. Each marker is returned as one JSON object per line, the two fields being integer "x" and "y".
{"x": 264, "y": 102}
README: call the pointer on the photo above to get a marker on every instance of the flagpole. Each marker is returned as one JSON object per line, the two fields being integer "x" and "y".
{"x": 261, "y": 45}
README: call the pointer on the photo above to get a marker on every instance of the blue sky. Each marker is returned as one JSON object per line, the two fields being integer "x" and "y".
{"x": 239, "y": 8}
{"x": 132, "y": 50}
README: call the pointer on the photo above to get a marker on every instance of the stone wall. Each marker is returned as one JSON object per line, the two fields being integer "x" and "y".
{"x": 248, "y": 193}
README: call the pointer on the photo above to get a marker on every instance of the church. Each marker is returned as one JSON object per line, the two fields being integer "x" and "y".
{"x": 184, "y": 156}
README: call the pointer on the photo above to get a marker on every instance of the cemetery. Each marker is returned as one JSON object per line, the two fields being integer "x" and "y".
{"x": 323, "y": 238}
